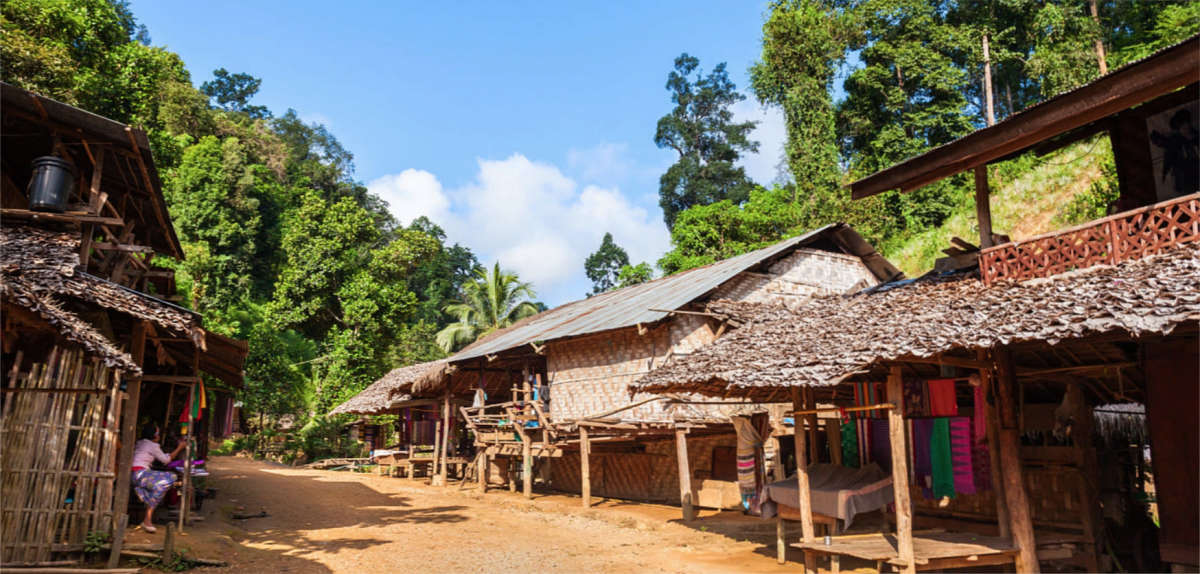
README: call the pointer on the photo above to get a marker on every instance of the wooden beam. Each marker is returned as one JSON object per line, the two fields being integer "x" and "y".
{"x": 585, "y": 467}
{"x": 122, "y": 247}
{"x": 1089, "y": 496}
{"x": 805, "y": 500}
{"x": 129, "y": 416}
{"x": 65, "y": 217}
{"x": 1020, "y": 516}
{"x": 685, "y": 475}
{"x": 448, "y": 424}
{"x": 983, "y": 207}
{"x": 527, "y": 441}
{"x": 899, "y": 443}
{"x": 810, "y": 399}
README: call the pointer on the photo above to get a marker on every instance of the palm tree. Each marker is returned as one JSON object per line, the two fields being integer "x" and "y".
{"x": 494, "y": 300}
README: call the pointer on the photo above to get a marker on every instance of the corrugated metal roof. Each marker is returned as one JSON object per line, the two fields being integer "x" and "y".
{"x": 632, "y": 305}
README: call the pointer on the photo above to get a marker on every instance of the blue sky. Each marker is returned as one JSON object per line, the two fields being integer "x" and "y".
{"x": 525, "y": 129}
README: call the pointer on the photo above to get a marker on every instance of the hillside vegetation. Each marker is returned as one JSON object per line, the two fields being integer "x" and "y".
{"x": 1030, "y": 196}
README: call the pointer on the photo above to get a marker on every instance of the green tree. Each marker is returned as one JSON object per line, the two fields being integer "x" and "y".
{"x": 708, "y": 142}
{"x": 706, "y": 234}
{"x": 634, "y": 275}
{"x": 233, "y": 92}
{"x": 803, "y": 43}
{"x": 604, "y": 266}
{"x": 494, "y": 300}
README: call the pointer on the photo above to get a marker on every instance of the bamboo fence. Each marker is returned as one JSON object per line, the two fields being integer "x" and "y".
{"x": 58, "y": 431}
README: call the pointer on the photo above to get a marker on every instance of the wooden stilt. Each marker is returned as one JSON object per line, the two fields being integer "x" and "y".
{"x": 983, "y": 207}
{"x": 437, "y": 447}
{"x": 814, "y": 456}
{"x": 993, "y": 439}
{"x": 1020, "y": 517}
{"x": 129, "y": 415}
{"x": 447, "y": 425}
{"x": 780, "y": 540}
{"x": 526, "y": 440}
{"x": 482, "y": 471}
{"x": 1089, "y": 495}
{"x": 833, "y": 434}
{"x": 804, "y": 496}
{"x": 899, "y": 444}
{"x": 585, "y": 467}
{"x": 685, "y": 474}
{"x": 512, "y": 474}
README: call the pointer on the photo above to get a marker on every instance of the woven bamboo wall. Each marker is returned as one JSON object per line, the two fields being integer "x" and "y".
{"x": 650, "y": 476}
{"x": 592, "y": 375}
{"x": 797, "y": 277}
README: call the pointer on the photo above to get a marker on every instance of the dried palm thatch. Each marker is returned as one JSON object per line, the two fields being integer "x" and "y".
{"x": 1121, "y": 423}
{"x": 828, "y": 339}
{"x": 69, "y": 325}
{"x": 45, "y": 262}
{"x": 376, "y": 398}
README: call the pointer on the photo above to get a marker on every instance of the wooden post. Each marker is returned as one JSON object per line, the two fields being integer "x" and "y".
{"x": 780, "y": 472}
{"x": 810, "y": 400}
{"x": 448, "y": 421}
{"x": 780, "y": 539}
{"x": 437, "y": 446}
{"x": 685, "y": 475}
{"x": 1089, "y": 495}
{"x": 805, "y": 498}
{"x": 133, "y": 394}
{"x": 983, "y": 207}
{"x": 187, "y": 455}
{"x": 482, "y": 471}
{"x": 585, "y": 467}
{"x": 169, "y": 543}
{"x": 993, "y": 439}
{"x": 833, "y": 433}
{"x": 1020, "y": 517}
{"x": 897, "y": 437}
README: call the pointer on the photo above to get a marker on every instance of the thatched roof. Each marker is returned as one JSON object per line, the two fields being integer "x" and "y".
{"x": 375, "y": 399}
{"x": 828, "y": 339}
{"x": 69, "y": 325}
{"x": 40, "y": 270}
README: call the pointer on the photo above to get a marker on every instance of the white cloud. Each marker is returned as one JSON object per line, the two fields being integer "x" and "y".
{"x": 606, "y": 162}
{"x": 412, "y": 193}
{"x": 316, "y": 118}
{"x": 770, "y": 133}
{"x": 532, "y": 217}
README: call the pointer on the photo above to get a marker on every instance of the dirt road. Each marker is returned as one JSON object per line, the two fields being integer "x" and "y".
{"x": 324, "y": 521}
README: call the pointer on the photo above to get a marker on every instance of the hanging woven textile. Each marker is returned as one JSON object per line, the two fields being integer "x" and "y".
{"x": 941, "y": 460}
{"x": 751, "y": 470}
{"x": 850, "y": 444}
{"x": 196, "y": 402}
{"x": 960, "y": 454}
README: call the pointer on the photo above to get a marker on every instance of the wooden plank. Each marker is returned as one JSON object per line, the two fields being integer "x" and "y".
{"x": 899, "y": 443}
{"x": 685, "y": 475}
{"x": 802, "y": 492}
{"x": 1020, "y": 516}
{"x": 133, "y": 389}
{"x": 983, "y": 206}
{"x": 585, "y": 467}
{"x": 66, "y": 217}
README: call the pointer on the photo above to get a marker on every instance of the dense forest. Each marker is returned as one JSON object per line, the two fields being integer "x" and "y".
{"x": 286, "y": 249}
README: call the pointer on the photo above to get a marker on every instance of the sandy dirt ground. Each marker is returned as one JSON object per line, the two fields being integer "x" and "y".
{"x": 327, "y": 521}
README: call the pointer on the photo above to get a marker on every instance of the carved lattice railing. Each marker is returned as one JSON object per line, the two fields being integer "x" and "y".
{"x": 1127, "y": 235}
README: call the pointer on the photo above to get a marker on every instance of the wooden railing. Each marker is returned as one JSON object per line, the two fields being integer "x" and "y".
{"x": 1120, "y": 237}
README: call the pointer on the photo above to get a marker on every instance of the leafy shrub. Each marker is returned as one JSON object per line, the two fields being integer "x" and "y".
{"x": 1095, "y": 202}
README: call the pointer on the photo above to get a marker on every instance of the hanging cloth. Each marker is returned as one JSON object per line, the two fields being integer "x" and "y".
{"x": 480, "y": 398}
{"x": 960, "y": 454}
{"x": 751, "y": 473}
{"x": 981, "y": 460}
{"x": 850, "y": 445}
{"x": 942, "y": 402}
{"x": 940, "y": 459}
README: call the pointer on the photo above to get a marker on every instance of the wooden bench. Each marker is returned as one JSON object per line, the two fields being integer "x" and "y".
{"x": 931, "y": 550}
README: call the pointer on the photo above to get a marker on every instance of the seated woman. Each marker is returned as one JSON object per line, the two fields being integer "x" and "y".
{"x": 151, "y": 485}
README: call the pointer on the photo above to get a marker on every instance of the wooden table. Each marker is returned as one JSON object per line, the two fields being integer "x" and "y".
{"x": 932, "y": 550}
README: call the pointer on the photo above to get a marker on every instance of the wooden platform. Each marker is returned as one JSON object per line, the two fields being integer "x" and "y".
{"x": 933, "y": 551}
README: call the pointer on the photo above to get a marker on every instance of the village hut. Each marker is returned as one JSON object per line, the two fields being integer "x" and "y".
{"x": 554, "y": 386}
{"x": 1031, "y": 334}
{"x": 84, "y": 218}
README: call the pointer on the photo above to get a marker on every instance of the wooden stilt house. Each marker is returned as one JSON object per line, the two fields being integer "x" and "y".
{"x": 88, "y": 354}
{"x": 551, "y": 391}
{"x": 1041, "y": 337}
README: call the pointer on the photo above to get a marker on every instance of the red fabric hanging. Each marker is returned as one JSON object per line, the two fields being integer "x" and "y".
{"x": 942, "y": 402}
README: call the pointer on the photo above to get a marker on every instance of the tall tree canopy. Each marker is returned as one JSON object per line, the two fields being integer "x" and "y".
{"x": 233, "y": 92}
{"x": 604, "y": 265}
{"x": 495, "y": 299}
{"x": 708, "y": 142}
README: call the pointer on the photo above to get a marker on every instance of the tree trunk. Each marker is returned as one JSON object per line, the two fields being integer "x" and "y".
{"x": 1100, "y": 57}
{"x": 989, "y": 109}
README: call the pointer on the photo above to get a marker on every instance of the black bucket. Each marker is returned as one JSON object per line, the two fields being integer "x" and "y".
{"x": 51, "y": 185}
